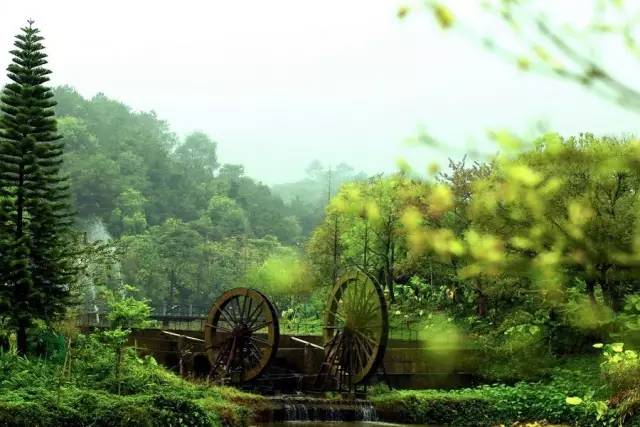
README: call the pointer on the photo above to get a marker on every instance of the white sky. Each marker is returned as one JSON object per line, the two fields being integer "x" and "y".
{"x": 280, "y": 83}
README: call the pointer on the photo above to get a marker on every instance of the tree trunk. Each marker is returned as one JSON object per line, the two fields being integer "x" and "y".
{"x": 365, "y": 251}
{"x": 20, "y": 293}
{"x": 392, "y": 296}
{"x": 591, "y": 290}
{"x": 118, "y": 367}
{"x": 605, "y": 285}
{"x": 334, "y": 266}
{"x": 482, "y": 302}
{"x": 388, "y": 280}
{"x": 388, "y": 262}
{"x": 606, "y": 294}
{"x": 172, "y": 282}
{"x": 22, "y": 338}
{"x": 613, "y": 293}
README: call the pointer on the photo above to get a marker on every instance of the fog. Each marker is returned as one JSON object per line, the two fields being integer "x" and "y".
{"x": 281, "y": 83}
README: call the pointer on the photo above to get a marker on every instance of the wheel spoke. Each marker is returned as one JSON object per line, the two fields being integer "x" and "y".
{"x": 228, "y": 316}
{"x": 260, "y": 326}
{"x": 255, "y": 352}
{"x": 358, "y": 354}
{"x": 361, "y": 295}
{"x": 371, "y": 340}
{"x": 364, "y": 347}
{"x": 256, "y": 313}
{"x": 332, "y": 340}
{"x": 216, "y": 327}
{"x": 371, "y": 327}
{"x": 249, "y": 309}
{"x": 237, "y": 300}
{"x": 336, "y": 349}
{"x": 244, "y": 305}
{"x": 340, "y": 316}
{"x": 260, "y": 340}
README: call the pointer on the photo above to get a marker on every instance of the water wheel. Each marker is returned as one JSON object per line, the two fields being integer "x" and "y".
{"x": 241, "y": 335}
{"x": 355, "y": 331}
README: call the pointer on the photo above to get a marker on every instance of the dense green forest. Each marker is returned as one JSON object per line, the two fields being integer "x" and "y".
{"x": 186, "y": 226}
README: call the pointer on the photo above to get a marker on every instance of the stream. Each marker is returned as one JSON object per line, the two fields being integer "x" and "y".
{"x": 336, "y": 424}
{"x": 302, "y": 411}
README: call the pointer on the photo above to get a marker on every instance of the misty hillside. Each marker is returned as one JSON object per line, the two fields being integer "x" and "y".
{"x": 130, "y": 171}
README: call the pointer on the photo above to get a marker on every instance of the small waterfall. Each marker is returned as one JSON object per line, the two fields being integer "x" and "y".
{"x": 367, "y": 412}
{"x": 333, "y": 414}
{"x": 310, "y": 409}
{"x": 296, "y": 412}
{"x": 95, "y": 231}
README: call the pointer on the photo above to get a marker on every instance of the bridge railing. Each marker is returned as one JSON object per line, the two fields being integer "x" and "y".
{"x": 192, "y": 317}
{"x": 176, "y": 316}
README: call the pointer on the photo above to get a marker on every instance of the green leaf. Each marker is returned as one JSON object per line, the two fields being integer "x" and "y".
{"x": 601, "y": 408}
{"x": 573, "y": 400}
{"x": 524, "y": 63}
{"x": 403, "y": 11}
{"x": 443, "y": 15}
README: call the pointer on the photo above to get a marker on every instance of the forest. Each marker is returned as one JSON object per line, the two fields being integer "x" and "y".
{"x": 517, "y": 273}
{"x": 183, "y": 225}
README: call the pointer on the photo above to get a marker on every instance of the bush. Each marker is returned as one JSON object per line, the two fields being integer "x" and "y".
{"x": 75, "y": 407}
{"x": 465, "y": 408}
{"x": 517, "y": 349}
{"x": 497, "y": 404}
{"x": 621, "y": 370}
{"x": 36, "y": 392}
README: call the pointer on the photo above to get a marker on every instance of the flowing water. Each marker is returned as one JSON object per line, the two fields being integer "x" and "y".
{"x": 295, "y": 410}
{"x": 337, "y": 424}
{"x": 302, "y": 411}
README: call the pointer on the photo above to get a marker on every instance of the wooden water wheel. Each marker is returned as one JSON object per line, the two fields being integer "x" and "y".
{"x": 355, "y": 331}
{"x": 241, "y": 335}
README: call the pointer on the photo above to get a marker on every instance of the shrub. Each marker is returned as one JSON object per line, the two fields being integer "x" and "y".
{"x": 75, "y": 407}
{"x": 621, "y": 370}
{"x": 35, "y": 392}
{"x": 496, "y": 404}
{"x": 465, "y": 408}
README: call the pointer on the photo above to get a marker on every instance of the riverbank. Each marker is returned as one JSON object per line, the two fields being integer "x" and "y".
{"x": 41, "y": 393}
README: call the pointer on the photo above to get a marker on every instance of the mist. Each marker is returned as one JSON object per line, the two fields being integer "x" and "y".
{"x": 280, "y": 84}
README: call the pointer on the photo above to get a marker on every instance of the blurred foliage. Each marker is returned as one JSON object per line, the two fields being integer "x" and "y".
{"x": 526, "y": 258}
{"x": 593, "y": 43}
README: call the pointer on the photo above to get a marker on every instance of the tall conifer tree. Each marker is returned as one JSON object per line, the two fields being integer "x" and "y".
{"x": 35, "y": 251}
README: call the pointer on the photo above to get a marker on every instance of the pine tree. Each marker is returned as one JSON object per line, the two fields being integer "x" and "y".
{"x": 35, "y": 247}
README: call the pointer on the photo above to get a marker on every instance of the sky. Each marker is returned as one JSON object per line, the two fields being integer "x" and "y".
{"x": 280, "y": 83}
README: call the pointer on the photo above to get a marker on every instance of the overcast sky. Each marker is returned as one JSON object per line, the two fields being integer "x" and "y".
{"x": 280, "y": 83}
